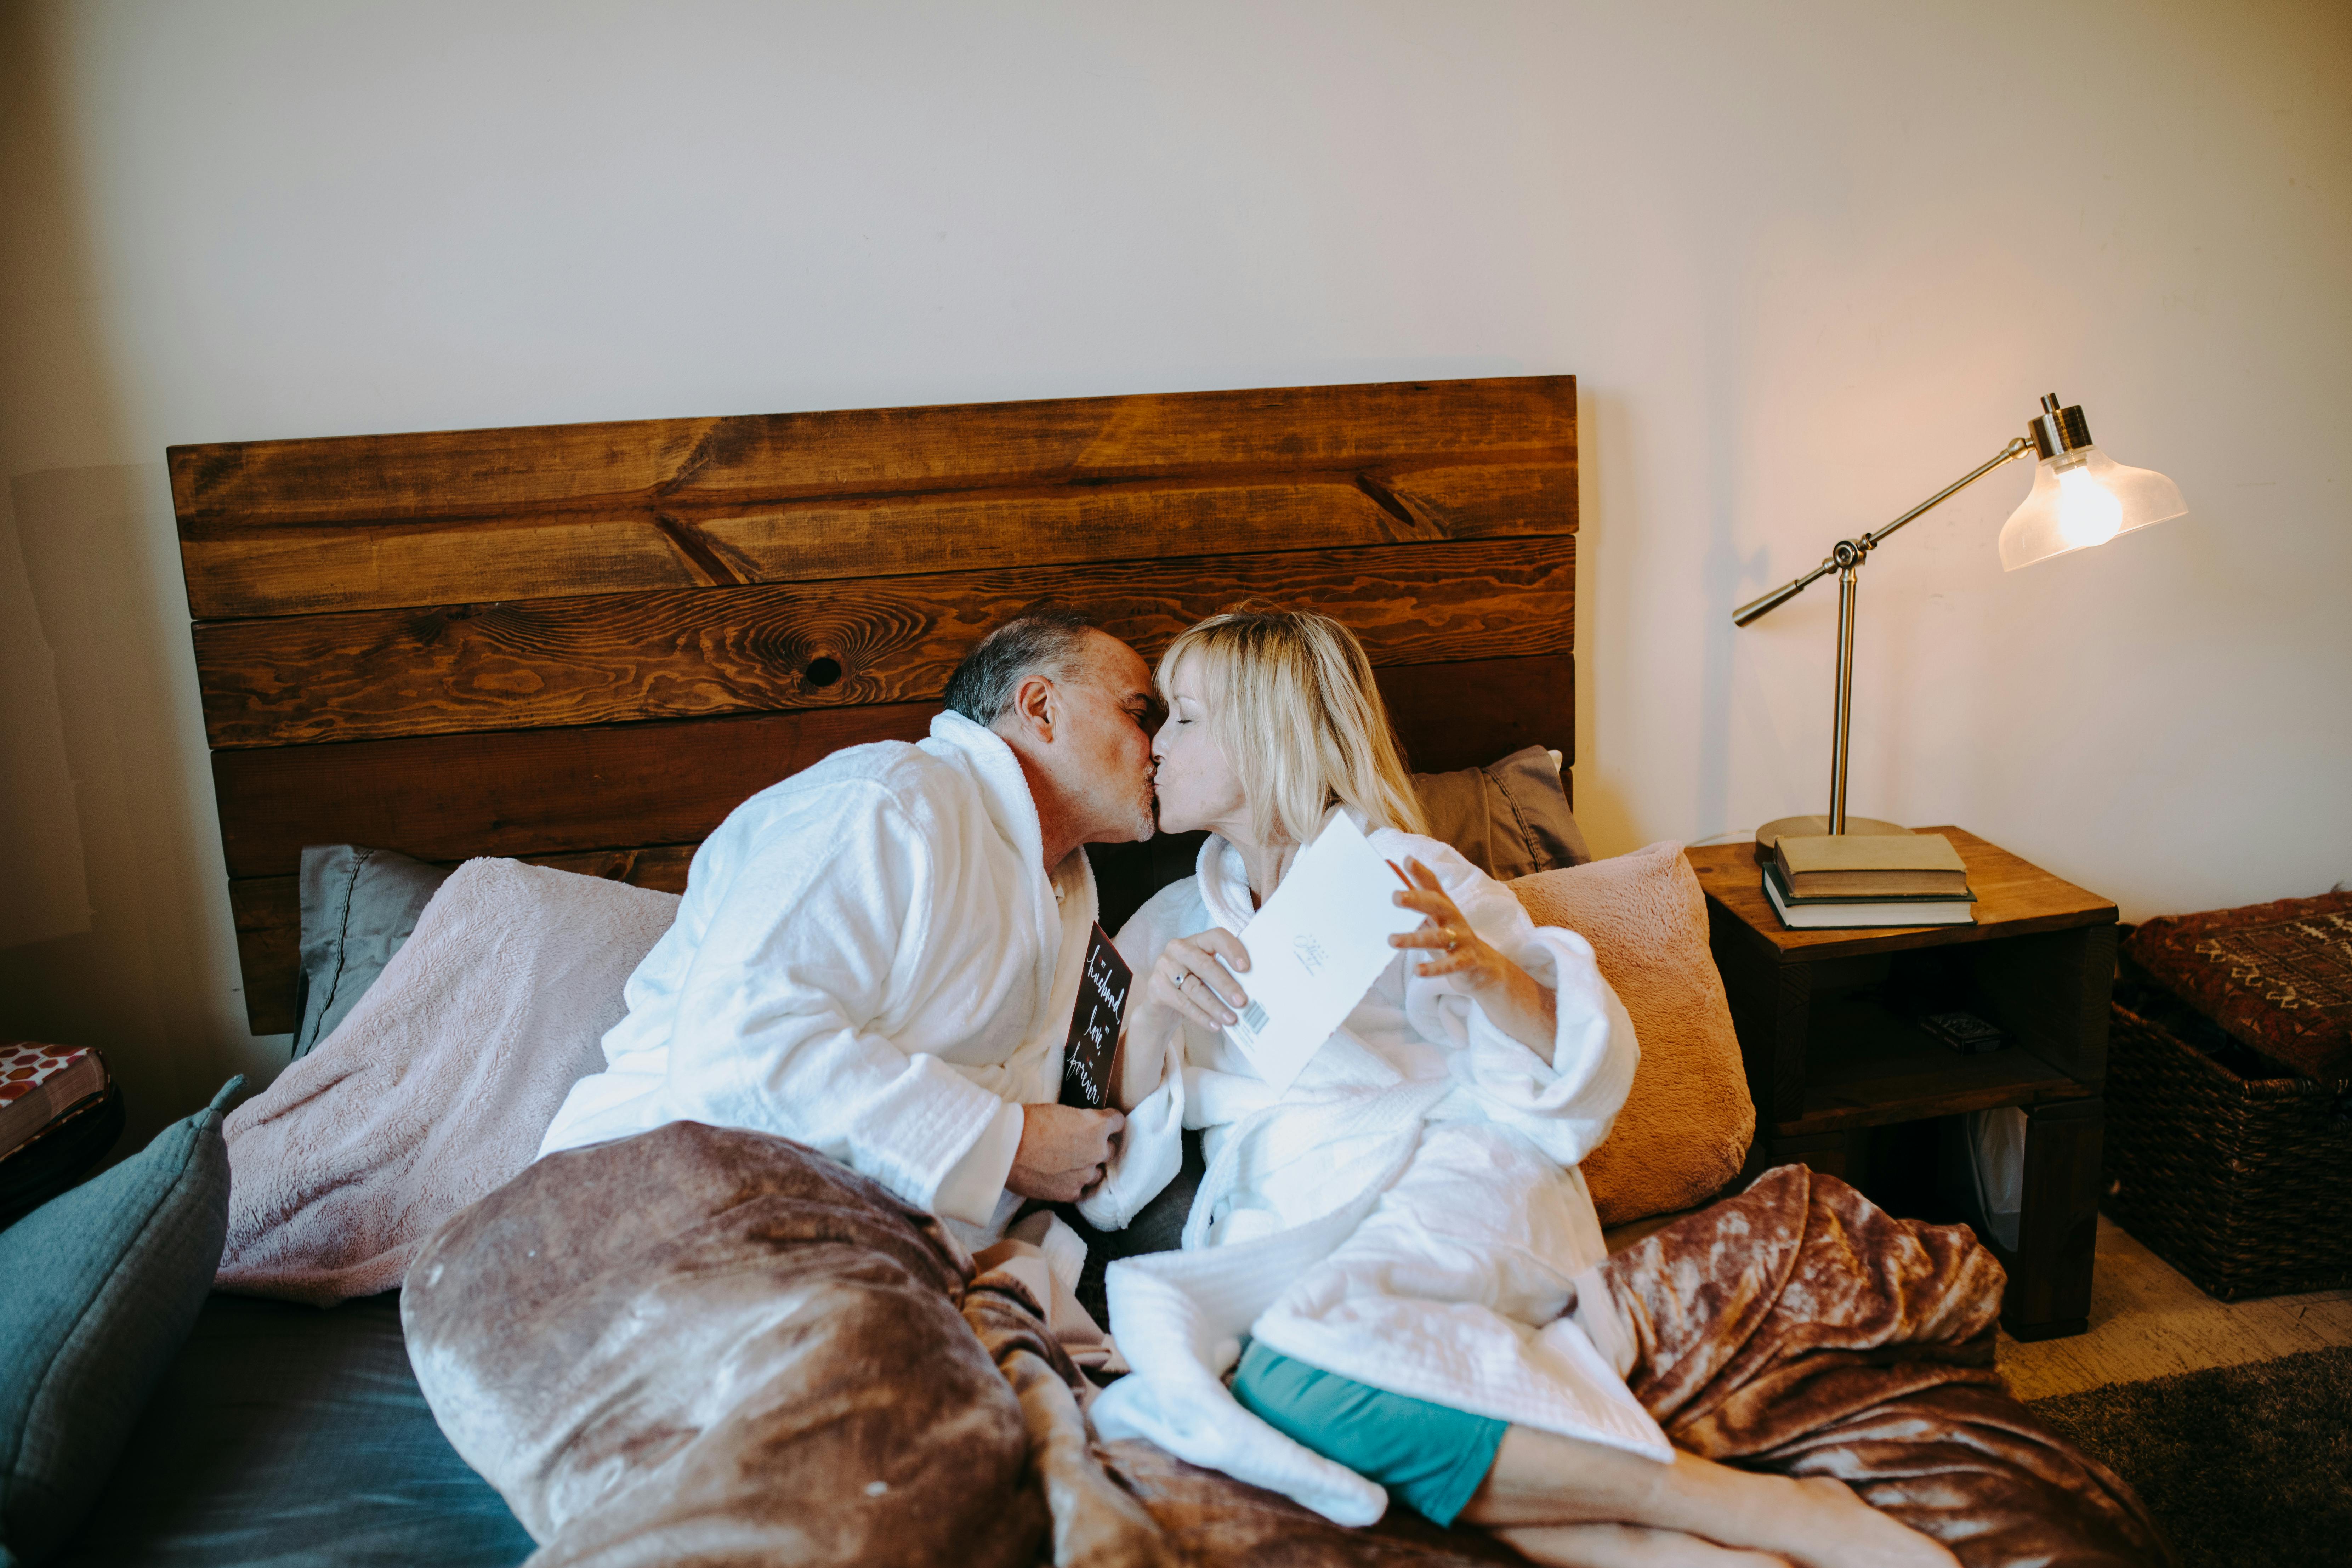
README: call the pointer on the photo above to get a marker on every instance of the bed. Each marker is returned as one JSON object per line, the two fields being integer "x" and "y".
{"x": 581, "y": 646}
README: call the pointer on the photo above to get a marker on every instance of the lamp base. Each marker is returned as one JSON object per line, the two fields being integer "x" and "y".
{"x": 1771, "y": 833}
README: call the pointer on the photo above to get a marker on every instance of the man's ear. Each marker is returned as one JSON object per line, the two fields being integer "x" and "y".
{"x": 1035, "y": 708}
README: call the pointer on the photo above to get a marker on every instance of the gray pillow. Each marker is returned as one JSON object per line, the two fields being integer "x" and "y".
{"x": 358, "y": 907}
{"x": 103, "y": 1284}
{"x": 1509, "y": 819}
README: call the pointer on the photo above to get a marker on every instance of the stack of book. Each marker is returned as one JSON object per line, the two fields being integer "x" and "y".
{"x": 1868, "y": 879}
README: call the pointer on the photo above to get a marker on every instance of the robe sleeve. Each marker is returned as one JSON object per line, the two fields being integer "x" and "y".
{"x": 775, "y": 1016}
{"x": 1567, "y": 1106}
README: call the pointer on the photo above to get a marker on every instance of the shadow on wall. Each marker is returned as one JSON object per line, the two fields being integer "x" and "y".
{"x": 134, "y": 980}
{"x": 40, "y": 835}
{"x": 117, "y": 931}
{"x": 1602, "y": 421}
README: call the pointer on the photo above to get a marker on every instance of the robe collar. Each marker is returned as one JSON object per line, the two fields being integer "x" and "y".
{"x": 1224, "y": 880}
{"x": 1004, "y": 788}
{"x": 1056, "y": 899}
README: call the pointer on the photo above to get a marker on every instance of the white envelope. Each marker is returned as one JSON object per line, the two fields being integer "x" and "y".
{"x": 1315, "y": 949}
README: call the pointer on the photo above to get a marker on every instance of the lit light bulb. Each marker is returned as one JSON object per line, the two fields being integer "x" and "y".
{"x": 2088, "y": 512}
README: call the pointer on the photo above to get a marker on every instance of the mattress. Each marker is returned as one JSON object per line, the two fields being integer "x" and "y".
{"x": 293, "y": 1437}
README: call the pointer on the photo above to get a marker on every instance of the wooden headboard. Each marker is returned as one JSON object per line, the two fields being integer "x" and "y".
{"x": 582, "y": 644}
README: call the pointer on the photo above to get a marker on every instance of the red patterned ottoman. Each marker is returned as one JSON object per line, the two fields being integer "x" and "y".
{"x": 2229, "y": 1137}
{"x": 60, "y": 1114}
{"x": 2276, "y": 976}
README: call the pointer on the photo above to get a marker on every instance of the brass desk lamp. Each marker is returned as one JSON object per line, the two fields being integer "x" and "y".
{"x": 2081, "y": 497}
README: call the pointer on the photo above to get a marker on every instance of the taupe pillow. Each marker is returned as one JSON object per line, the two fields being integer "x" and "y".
{"x": 1509, "y": 819}
{"x": 358, "y": 907}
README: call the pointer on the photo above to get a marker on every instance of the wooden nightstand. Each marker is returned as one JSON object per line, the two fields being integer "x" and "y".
{"x": 1835, "y": 1064}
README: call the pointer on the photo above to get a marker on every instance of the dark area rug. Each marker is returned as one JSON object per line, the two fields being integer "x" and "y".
{"x": 2239, "y": 1464}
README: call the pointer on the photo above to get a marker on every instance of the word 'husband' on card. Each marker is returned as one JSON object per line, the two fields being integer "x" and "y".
{"x": 1093, "y": 1042}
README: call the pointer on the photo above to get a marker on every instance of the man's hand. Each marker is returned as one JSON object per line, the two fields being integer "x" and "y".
{"x": 1063, "y": 1151}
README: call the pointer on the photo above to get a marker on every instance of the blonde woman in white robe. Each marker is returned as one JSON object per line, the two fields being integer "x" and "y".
{"x": 1378, "y": 1294}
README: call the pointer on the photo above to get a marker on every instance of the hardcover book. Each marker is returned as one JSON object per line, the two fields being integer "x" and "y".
{"x": 1829, "y": 914}
{"x": 1871, "y": 865}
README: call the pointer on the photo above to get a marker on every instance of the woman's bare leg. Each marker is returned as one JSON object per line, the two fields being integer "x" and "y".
{"x": 1628, "y": 1546}
{"x": 1539, "y": 1478}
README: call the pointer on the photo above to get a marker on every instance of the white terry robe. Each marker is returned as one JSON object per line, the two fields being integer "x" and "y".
{"x": 1408, "y": 1215}
{"x": 870, "y": 959}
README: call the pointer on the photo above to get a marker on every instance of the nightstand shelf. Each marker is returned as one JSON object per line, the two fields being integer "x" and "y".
{"x": 1836, "y": 1065}
{"x": 1868, "y": 1064}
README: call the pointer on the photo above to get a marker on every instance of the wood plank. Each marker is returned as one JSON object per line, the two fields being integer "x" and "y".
{"x": 292, "y": 570}
{"x": 1471, "y": 713}
{"x": 2148, "y": 1321}
{"x": 305, "y": 569}
{"x": 287, "y": 527}
{"x": 871, "y": 451}
{"x": 2049, "y": 1292}
{"x": 548, "y": 792}
{"x": 268, "y": 915}
{"x": 1770, "y": 1003}
{"x": 621, "y": 657}
{"x": 2053, "y": 992}
{"x": 2014, "y": 898}
{"x": 526, "y": 792}
{"x": 1193, "y": 515}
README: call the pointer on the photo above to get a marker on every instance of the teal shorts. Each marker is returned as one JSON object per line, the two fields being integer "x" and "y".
{"x": 1430, "y": 1457}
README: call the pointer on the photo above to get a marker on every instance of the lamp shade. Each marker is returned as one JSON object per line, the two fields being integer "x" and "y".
{"x": 2081, "y": 498}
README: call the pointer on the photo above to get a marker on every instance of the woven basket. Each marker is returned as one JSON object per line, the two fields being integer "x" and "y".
{"x": 2244, "y": 1184}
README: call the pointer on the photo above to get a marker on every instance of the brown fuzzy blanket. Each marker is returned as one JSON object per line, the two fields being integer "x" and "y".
{"x": 709, "y": 1346}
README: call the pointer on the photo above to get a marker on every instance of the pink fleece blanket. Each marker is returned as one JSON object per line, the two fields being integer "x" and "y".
{"x": 436, "y": 1090}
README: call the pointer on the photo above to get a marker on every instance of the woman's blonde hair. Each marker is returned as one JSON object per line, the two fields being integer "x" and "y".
{"x": 1290, "y": 701}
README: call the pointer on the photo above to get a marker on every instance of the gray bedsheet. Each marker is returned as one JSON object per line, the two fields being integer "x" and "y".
{"x": 294, "y": 1437}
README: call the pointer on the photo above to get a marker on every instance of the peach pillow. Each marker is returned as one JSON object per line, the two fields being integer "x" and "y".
{"x": 1686, "y": 1124}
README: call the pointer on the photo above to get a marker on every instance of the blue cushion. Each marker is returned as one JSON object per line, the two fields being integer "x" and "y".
{"x": 291, "y": 1437}
{"x": 103, "y": 1284}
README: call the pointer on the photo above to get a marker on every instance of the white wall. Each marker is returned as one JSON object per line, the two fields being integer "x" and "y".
{"x": 1810, "y": 262}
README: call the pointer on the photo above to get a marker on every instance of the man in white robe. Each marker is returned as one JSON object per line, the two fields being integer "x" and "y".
{"x": 878, "y": 957}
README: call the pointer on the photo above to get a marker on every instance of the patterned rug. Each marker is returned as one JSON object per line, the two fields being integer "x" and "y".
{"x": 2246, "y": 1464}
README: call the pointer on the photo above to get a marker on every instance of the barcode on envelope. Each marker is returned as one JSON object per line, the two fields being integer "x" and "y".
{"x": 1254, "y": 1018}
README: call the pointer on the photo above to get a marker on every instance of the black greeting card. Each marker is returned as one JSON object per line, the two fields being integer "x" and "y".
{"x": 1094, "y": 1025}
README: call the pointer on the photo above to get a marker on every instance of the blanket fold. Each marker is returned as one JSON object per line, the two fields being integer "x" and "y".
{"x": 1799, "y": 1328}
{"x": 707, "y": 1345}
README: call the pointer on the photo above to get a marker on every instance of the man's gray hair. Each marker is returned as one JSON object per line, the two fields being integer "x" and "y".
{"x": 1048, "y": 641}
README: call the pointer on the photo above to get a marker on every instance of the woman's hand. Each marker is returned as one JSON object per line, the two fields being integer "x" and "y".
{"x": 1185, "y": 982}
{"x": 1188, "y": 980}
{"x": 1507, "y": 994}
